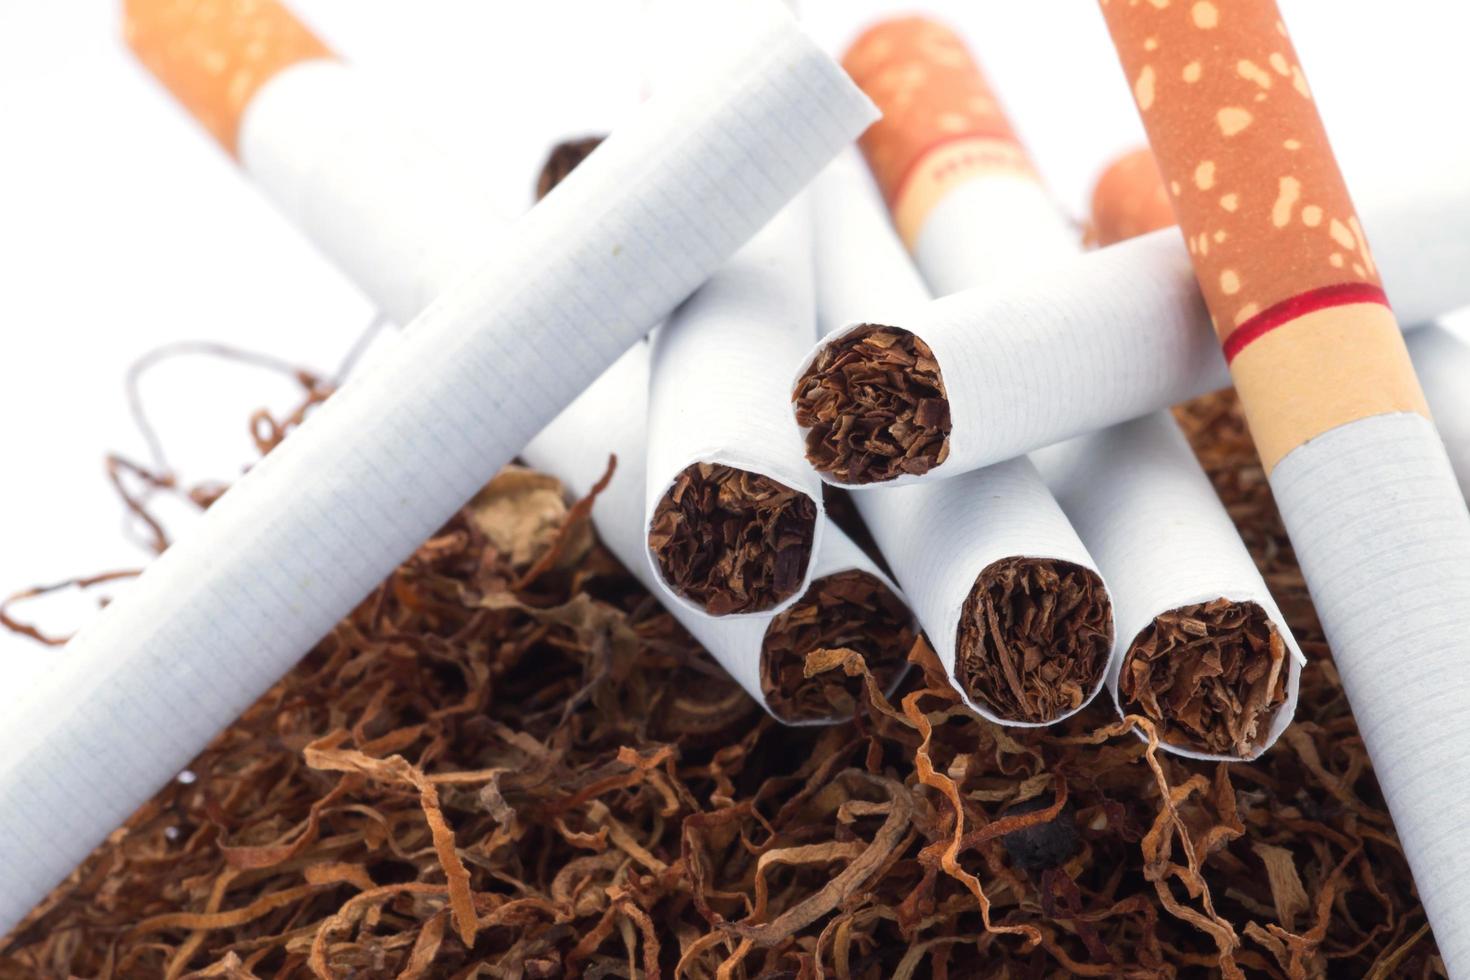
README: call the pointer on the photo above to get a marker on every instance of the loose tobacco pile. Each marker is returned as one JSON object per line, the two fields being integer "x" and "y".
{"x": 510, "y": 762}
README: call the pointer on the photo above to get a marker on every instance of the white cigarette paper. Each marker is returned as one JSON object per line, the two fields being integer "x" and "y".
{"x": 312, "y": 528}
{"x": 609, "y": 418}
{"x": 1382, "y": 537}
{"x": 938, "y": 536}
{"x": 1114, "y": 334}
{"x": 1442, "y": 362}
{"x": 1153, "y": 522}
{"x": 714, "y": 396}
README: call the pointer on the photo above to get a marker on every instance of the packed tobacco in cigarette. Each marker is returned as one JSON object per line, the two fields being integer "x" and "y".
{"x": 732, "y": 541}
{"x": 851, "y": 610}
{"x": 874, "y": 407}
{"x": 510, "y": 761}
{"x": 1210, "y": 676}
{"x": 1030, "y": 660}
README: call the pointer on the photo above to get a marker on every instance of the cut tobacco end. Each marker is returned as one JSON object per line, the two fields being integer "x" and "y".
{"x": 732, "y": 541}
{"x": 562, "y": 160}
{"x": 1034, "y": 638}
{"x": 851, "y": 610}
{"x": 1211, "y": 676}
{"x": 873, "y": 407}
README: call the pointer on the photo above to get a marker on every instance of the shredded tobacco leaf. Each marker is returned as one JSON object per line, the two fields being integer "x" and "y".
{"x": 510, "y": 761}
{"x": 732, "y": 541}
{"x": 1034, "y": 638}
{"x": 873, "y": 407}
{"x": 1211, "y": 676}
{"x": 850, "y": 610}
{"x": 563, "y": 159}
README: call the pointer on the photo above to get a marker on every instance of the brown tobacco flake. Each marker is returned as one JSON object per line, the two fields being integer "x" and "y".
{"x": 850, "y": 610}
{"x": 732, "y": 541}
{"x": 1211, "y": 675}
{"x": 874, "y": 407}
{"x": 1034, "y": 638}
{"x": 563, "y": 159}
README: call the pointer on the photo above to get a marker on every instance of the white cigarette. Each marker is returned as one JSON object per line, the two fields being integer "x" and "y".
{"x": 963, "y": 548}
{"x": 311, "y": 529}
{"x": 1114, "y": 334}
{"x": 609, "y": 418}
{"x": 734, "y": 513}
{"x": 1152, "y": 520}
{"x": 1442, "y": 362}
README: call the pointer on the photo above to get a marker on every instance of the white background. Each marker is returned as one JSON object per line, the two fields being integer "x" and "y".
{"x": 123, "y": 227}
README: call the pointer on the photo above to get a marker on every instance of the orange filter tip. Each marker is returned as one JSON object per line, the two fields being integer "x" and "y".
{"x": 941, "y": 121}
{"x": 1130, "y": 199}
{"x": 214, "y": 55}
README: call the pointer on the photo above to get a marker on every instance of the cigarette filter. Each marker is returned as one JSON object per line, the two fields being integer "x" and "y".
{"x": 1090, "y": 341}
{"x": 311, "y": 529}
{"x": 1202, "y": 642}
{"x": 941, "y": 128}
{"x": 1360, "y": 475}
{"x": 1012, "y": 601}
{"x": 1126, "y": 202}
{"x": 849, "y": 602}
{"x": 734, "y": 513}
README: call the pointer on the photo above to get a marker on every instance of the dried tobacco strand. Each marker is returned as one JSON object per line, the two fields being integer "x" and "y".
{"x": 732, "y": 541}
{"x": 852, "y": 610}
{"x": 874, "y": 407}
{"x": 562, "y": 160}
{"x": 1211, "y": 675}
{"x": 1034, "y": 638}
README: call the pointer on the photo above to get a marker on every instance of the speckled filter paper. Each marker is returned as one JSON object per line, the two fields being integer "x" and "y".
{"x": 938, "y": 536}
{"x": 1135, "y": 493}
{"x": 1123, "y": 331}
{"x": 1152, "y": 520}
{"x": 609, "y": 418}
{"x": 350, "y": 166}
{"x": 312, "y": 528}
{"x": 1360, "y": 474}
{"x": 719, "y": 386}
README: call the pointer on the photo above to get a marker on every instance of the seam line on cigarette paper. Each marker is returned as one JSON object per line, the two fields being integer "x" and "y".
{"x": 1294, "y": 307}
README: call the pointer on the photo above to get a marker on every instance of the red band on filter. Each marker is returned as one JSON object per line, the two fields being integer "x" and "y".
{"x": 1283, "y": 313}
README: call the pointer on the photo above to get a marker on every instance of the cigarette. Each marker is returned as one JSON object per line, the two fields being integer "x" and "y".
{"x": 1357, "y": 469}
{"x": 1079, "y": 344}
{"x": 313, "y": 528}
{"x": 1014, "y": 604}
{"x": 1200, "y": 600}
{"x": 1126, "y": 203}
{"x": 734, "y": 513}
